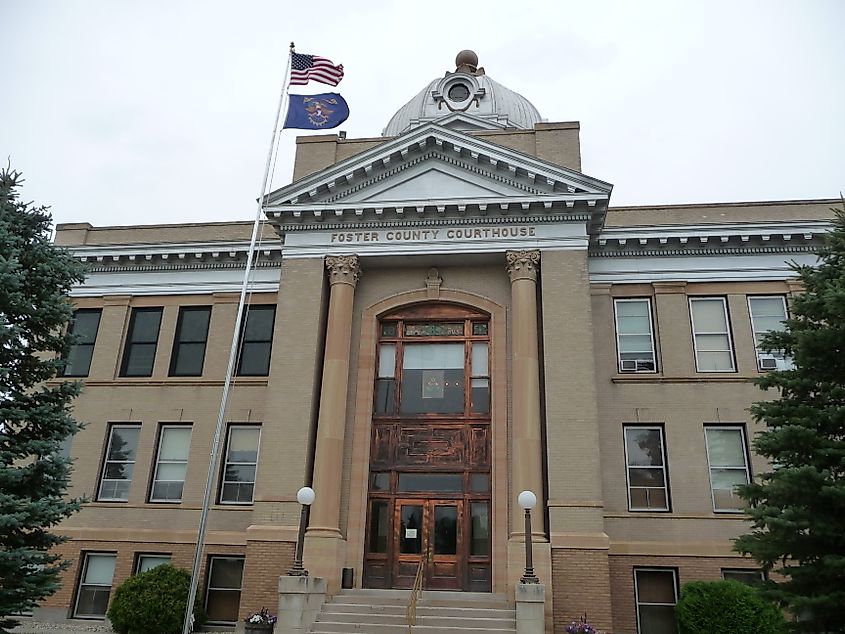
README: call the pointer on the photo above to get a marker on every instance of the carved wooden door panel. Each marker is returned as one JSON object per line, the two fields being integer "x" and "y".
{"x": 431, "y": 532}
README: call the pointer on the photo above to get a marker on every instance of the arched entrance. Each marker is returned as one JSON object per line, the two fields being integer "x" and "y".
{"x": 429, "y": 479}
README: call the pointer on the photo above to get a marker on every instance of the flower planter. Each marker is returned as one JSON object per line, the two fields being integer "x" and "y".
{"x": 258, "y": 628}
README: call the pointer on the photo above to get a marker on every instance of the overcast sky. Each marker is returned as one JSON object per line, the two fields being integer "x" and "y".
{"x": 151, "y": 111}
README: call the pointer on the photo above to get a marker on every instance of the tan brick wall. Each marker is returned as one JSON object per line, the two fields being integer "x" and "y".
{"x": 581, "y": 586}
{"x": 265, "y": 561}
{"x": 688, "y": 569}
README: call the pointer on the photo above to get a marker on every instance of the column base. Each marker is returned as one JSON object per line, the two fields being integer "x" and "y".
{"x": 324, "y": 557}
{"x": 542, "y": 560}
{"x": 530, "y": 608}
{"x": 300, "y": 600}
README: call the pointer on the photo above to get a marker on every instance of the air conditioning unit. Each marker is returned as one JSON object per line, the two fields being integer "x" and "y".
{"x": 637, "y": 365}
{"x": 767, "y": 362}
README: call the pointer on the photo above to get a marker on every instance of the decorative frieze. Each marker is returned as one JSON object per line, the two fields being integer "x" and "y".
{"x": 343, "y": 269}
{"x": 523, "y": 264}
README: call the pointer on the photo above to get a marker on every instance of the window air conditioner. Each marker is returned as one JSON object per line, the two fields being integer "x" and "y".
{"x": 637, "y": 365}
{"x": 767, "y": 362}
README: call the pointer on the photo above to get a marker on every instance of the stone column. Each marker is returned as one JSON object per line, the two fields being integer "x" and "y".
{"x": 323, "y": 545}
{"x": 527, "y": 443}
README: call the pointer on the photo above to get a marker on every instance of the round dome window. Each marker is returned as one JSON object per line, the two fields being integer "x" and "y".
{"x": 458, "y": 92}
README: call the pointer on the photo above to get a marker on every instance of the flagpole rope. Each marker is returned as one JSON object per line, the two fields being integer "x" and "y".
{"x": 233, "y": 355}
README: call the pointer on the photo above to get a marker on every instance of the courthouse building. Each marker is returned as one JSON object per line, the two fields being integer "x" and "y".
{"x": 439, "y": 318}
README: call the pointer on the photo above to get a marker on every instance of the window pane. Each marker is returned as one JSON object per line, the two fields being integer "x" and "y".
{"x": 434, "y": 330}
{"x": 655, "y": 586}
{"x": 169, "y": 491}
{"x": 85, "y": 325}
{"x": 148, "y": 562}
{"x": 381, "y": 482}
{"x": 635, "y": 308}
{"x": 644, "y": 447}
{"x": 479, "y": 359}
{"x": 646, "y": 477}
{"x": 226, "y": 573}
{"x": 657, "y": 619}
{"x": 188, "y": 359}
{"x": 385, "y": 396}
{"x": 709, "y": 315}
{"x": 480, "y": 396}
{"x": 99, "y": 569}
{"x": 480, "y": 529}
{"x": 387, "y": 361}
{"x": 259, "y": 323}
{"x": 172, "y": 471}
{"x": 634, "y": 325}
{"x": 712, "y": 343}
{"x": 748, "y": 577}
{"x": 767, "y": 307}
{"x": 240, "y": 473}
{"x": 479, "y": 482}
{"x": 123, "y": 443}
{"x": 79, "y": 360}
{"x": 445, "y": 530}
{"x": 727, "y": 478}
{"x": 410, "y": 530}
{"x": 193, "y": 326}
{"x": 255, "y": 359}
{"x": 715, "y": 362}
{"x": 435, "y": 356}
{"x": 146, "y": 325}
{"x": 389, "y": 329}
{"x": 480, "y": 328}
{"x": 139, "y": 359}
{"x": 175, "y": 443}
{"x": 119, "y": 470}
{"x": 725, "y": 447}
{"x": 243, "y": 444}
{"x": 442, "y": 482}
{"x": 378, "y": 527}
{"x": 222, "y": 606}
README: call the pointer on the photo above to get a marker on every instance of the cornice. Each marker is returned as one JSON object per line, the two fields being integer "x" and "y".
{"x": 399, "y": 222}
{"x": 721, "y": 239}
{"x": 175, "y": 256}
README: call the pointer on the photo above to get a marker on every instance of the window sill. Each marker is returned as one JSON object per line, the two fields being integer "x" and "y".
{"x": 169, "y": 381}
{"x": 688, "y": 378}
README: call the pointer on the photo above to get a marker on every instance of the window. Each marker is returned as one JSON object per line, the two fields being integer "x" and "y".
{"x": 480, "y": 380}
{"x": 174, "y": 442}
{"x": 748, "y": 576}
{"x": 634, "y": 337}
{"x": 92, "y": 600}
{"x": 148, "y": 562}
{"x": 83, "y": 327}
{"x": 726, "y": 456}
{"x": 256, "y": 341}
{"x": 223, "y": 597}
{"x": 656, "y": 594}
{"x": 768, "y": 313}
{"x": 711, "y": 335}
{"x": 646, "y": 467}
{"x": 189, "y": 344}
{"x": 140, "y": 350}
{"x": 240, "y": 465}
{"x": 119, "y": 463}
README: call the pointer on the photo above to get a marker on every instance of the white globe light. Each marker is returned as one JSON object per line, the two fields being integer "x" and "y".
{"x": 527, "y": 500}
{"x": 305, "y": 496}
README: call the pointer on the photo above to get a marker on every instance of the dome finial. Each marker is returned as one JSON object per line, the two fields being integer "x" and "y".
{"x": 467, "y": 62}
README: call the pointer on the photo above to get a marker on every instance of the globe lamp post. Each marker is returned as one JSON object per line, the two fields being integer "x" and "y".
{"x": 527, "y": 501}
{"x": 305, "y": 496}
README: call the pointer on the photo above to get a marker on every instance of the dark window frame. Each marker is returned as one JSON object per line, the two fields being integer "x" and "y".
{"x": 222, "y": 481}
{"x": 268, "y": 340}
{"x": 105, "y": 460}
{"x": 136, "y": 565}
{"x": 208, "y": 587}
{"x": 178, "y": 343}
{"x": 78, "y": 345}
{"x": 661, "y": 427}
{"x": 127, "y": 346}
{"x": 83, "y": 570}
{"x": 675, "y": 586}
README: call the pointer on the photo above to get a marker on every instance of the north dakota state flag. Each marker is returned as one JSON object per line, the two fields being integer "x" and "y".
{"x": 316, "y": 112}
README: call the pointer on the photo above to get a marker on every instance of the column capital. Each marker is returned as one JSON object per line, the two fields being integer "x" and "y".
{"x": 343, "y": 269}
{"x": 522, "y": 265}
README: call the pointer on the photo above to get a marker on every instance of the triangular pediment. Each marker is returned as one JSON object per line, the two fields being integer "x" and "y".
{"x": 435, "y": 163}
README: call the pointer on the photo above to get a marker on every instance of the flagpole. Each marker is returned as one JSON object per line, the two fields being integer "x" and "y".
{"x": 233, "y": 354}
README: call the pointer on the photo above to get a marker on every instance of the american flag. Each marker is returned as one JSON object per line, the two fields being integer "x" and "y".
{"x": 306, "y": 67}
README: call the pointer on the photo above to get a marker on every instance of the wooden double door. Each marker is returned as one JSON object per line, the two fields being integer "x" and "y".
{"x": 432, "y": 533}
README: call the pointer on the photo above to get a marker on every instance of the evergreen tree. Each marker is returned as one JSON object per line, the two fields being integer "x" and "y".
{"x": 798, "y": 509}
{"x": 35, "y": 419}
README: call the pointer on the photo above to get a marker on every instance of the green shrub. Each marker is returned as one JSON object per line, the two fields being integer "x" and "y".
{"x": 714, "y": 607}
{"x": 153, "y": 601}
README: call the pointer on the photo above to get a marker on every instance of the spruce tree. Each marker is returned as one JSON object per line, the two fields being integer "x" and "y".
{"x": 35, "y": 417}
{"x": 798, "y": 508}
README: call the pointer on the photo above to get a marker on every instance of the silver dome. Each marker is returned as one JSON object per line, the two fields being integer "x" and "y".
{"x": 469, "y": 91}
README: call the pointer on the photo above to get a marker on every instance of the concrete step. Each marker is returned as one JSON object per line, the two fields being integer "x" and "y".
{"x": 489, "y": 622}
{"x": 422, "y": 610}
{"x": 369, "y": 628}
{"x": 371, "y": 611}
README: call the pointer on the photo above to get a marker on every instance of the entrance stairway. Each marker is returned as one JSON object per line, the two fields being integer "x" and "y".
{"x": 438, "y": 612}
